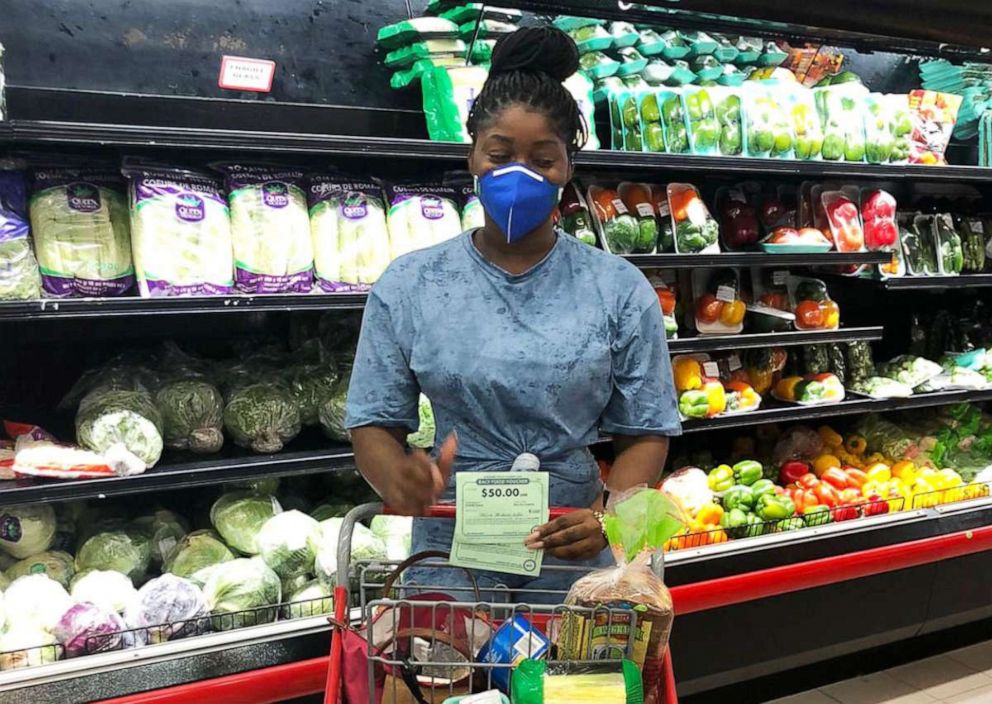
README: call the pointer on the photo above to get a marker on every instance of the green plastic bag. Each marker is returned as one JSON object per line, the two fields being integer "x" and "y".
{"x": 610, "y": 682}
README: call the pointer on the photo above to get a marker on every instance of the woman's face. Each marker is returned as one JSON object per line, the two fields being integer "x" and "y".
{"x": 522, "y": 136}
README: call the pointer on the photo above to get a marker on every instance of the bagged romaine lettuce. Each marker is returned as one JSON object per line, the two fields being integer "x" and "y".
{"x": 262, "y": 417}
{"x": 180, "y": 231}
{"x": 80, "y": 225}
{"x": 270, "y": 228}
{"x": 19, "y": 275}
{"x": 421, "y": 215}
{"x": 348, "y": 230}
{"x": 107, "y": 417}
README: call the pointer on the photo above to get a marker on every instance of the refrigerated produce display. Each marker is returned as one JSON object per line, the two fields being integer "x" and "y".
{"x": 183, "y": 270}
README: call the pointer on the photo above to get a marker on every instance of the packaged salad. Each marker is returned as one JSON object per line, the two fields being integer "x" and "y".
{"x": 637, "y": 199}
{"x": 719, "y": 309}
{"x": 812, "y": 305}
{"x": 617, "y": 227}
{"x": 695, "y": 229}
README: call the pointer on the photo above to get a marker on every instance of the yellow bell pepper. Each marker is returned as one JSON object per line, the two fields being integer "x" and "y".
{"x": 855, "y": 444}
{"x": 688, "y": 374}
{"x": 785, "y": 389}
{"x": 824, "y": 462}
{"x": 949, "y": 479}
{"x": 709, "y": 515}
{"x": 879, "y": 472}
{"x": 831, "y": 438}
{"x": 716, "y": 396}
{"x": 904, "y": 470}
{"x": 732, "y": 313}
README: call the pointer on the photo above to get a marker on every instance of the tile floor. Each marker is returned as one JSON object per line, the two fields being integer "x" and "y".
{"x": 958, "y": 677}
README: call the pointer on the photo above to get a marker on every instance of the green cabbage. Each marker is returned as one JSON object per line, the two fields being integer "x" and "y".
{"x": 365, "y": 545}
{"x": 312, "y": 384}
{"x": 239, "y": 516}
{"x": 55, "y": 564}
{"x": 424, "y": 437}
{"x": 107, "y": 588}
{"x": 311, "y": 599}
{"x": 198, "y": 550}
{"x": 262, "y": 417}
{"x": 26, "y": 529}
{"x": 396, "y": 533}
{"x": 109, "y": 417}
{"x": 165, "y": 530}
{"x": 126, "y": 551}
{"x": 326, "y": 510}
{"x": 192, "y": 416}
{"x": 286, "y": 543}
{"x": 332, "y": 415}
{"x": 237, "y": 591}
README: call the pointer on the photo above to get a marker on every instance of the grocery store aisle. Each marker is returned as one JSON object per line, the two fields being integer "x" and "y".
{"x": 961, "y": 676}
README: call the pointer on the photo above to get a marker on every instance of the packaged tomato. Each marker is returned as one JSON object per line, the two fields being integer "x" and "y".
{"x": 717, "y": 302}
{"x": 878, "y": 214}
{"x": 844, "y": 221}
{"x": 738, "y": 215}
{"x": 812, "y": 305}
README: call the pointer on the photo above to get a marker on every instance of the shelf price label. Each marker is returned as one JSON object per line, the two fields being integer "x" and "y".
{"x": 242, "y": 73}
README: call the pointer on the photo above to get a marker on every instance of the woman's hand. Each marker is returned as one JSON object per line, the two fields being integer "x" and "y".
{"x": 413, "y": 482}
{"x": 578, "y": 535}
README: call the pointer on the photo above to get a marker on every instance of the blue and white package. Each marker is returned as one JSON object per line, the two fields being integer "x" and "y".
{"x": 515, "y": 641}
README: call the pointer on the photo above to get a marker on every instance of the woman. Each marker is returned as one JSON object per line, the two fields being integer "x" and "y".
{"x": 524, "y": 338}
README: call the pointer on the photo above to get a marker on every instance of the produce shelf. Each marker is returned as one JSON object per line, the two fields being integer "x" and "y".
{"x": 182, "y": 472}
{"x": 747, "y": 259}
{"x": 713, "y": 343}
{"x": 913, "y": 283}
{"x": 157, "y": 137}
{"x": 791, "y": 413}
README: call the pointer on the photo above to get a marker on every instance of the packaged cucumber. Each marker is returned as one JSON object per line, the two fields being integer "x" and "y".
{"x": 769, "y": 131}
{"x": 674, "y": 121}
{"x": 650, "y": 43}
{"x": 841, "y": 110}
{"x": 598, "y": 65}
{"x": 575, "y": 217}
{"x": 972, "y": 231}
{"x": 631, "y": 62}
{"x": 704, "y": 129}
{"x": 918, "y": 248}
{"x": 805, "y": 124}
{"x": 950, "y": 249}
{"x": 652, "y": 131}
{"x": 666, "y": 231}
{"x": 623, "y": 34}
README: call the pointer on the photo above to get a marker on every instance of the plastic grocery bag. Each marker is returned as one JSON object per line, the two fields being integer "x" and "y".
{"x": 638, "y": 523}
{"x": 538, "y": 682}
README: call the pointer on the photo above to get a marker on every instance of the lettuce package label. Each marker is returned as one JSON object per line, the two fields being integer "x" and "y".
{"x": 180, "y": 232}
{"x": 270, "y": 228}
{"x": 421, "y": 215}
{"x": 348, "y": 230}
{"x": 19, "y": 275}
{"x": 79, "y": 218}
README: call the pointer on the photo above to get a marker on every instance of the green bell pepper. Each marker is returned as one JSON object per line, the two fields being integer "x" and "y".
{"x": 740, "y": 524}
{"x": 747, "y": 472}
{"x": 794, "y": 523}
{"x": 694, "y": 404}
{"x": 817, "y": 516}
{"x": 720, "y": 478}
{"x": 738, "y": 496}
{"x": 762, "y": 487}
{"x": 771, "y": 507}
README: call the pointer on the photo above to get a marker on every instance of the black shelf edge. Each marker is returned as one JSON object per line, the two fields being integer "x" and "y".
{"x": 61, "y": 308}
{"x": 93, "y": 134}
{"x": 914, "y": 283}
{"x": 747, "y": 259}
{"x": 180, "y": 475}
{"x": 844, "y": 408}
{"x": 716, "y": 343}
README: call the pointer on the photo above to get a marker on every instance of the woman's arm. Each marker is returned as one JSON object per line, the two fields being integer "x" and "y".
{"x": 639, "y": 460}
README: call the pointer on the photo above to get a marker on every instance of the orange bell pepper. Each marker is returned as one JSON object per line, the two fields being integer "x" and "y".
{"x": 733, "y": 313}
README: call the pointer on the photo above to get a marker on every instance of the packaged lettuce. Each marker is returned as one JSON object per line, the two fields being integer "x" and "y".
{"x": 421, "y": 215}
{"x": 413, "y": 30}
{"x": 769, "y": 130}
{"x": 613, "y": 100}
{"x": 406, "y": 56}
{"x": 486, "y": 29}
{"x": 19, "y": 275}
{"x": 79, "y": 222}
{"x": 180, "y": 231}
{"x": 348, "y": 230}
{"x": 841, "y": 109}
{"x": 448, "y": 94}
{"x": 270, "y": 228}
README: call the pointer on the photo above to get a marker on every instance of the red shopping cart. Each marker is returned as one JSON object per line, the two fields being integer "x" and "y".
{"x": 394, "y": 642}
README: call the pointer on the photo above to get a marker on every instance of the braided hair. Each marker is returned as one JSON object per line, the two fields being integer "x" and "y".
{"x": 528, "y": 69}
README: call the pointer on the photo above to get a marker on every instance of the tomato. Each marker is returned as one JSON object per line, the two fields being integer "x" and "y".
{"x": 809, "y": 315}
{"x": 603, "y": 202}
{"x": 666, "y": 297}
{"x": 708, "y": 308}
{"x": 827, "y": 495}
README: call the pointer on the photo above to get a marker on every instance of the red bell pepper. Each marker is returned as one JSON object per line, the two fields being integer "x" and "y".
{"x": 845, "y": 223}
{"x": 739, "y": 224}
{"x": 845, "y": 513}
{"x": 835, "y": 477}
{"x": 855, "y": 477}
{"x": 808, "y": 481}
{"x": 878, "y": 210}
{"x": 876, "y": 506}
{"x": 792, "y": 471}
{"x": 827, "y": 495}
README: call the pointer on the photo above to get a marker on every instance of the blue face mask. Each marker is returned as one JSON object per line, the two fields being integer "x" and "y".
{"x": 517, "y": 199}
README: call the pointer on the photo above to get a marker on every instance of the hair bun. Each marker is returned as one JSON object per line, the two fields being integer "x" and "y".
{"x": 536, "y": 50}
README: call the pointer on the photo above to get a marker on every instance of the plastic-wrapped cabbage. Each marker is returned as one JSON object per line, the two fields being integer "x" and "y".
{"x": 167, "y": 608}
{"x": 244, "y": 585}
{"x": 239, "y": 517}
{"x": 55, "y": 564}
{"x": 424, "y": 437}
{"x": 35, "y": 602}
{"x": 270, "y": 228}
{"x": 325, "y": 511}
{"x": 127, "y": 551}
{"x": 286, "y": 543}
{"x": 421, "y": 215}
{"x": 26, "y": 529}
{"x": 332, "y": 415}
{"x": 27, "y": 646}
{"x": 105, "y": 588}
{"x": 165, "y": 529}
{"x": 79, "y": 221}
{"x": 348, "y": 229}
{"x": 198, "y": 550}
{"x": 312, "y": 599}
{"x": 396, "y": 533}
{"x": 192, "y": 415}
{"x": 312, "y": 384}
{"x": 262, "y": 417}
{"x": 180, "y": 231}
{"x": 365, "y": 545}
{"x": 19, "y": 275}
{"x": 87, "y": 628}
{"x": 109, "y": 417}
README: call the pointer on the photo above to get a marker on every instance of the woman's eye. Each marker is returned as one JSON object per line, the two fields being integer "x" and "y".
{"x": 497, "y": 158}
{"x": 544, "y": 164}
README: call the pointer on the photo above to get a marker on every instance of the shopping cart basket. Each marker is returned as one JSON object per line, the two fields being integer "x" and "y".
{"x": 421, "y": 645}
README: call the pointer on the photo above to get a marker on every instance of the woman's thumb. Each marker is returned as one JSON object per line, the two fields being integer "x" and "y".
{"x": 445, "y": 461}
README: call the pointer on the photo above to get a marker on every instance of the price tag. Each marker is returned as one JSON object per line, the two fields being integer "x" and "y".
{"x": 711, "y": 369}
{"x": 664, "y": 210}
{"x": 497, "y": 507}
{"x": 241, "y": 73}
{"x": 779, "y": 277}
{"x": 727, "y": 294}
{"x": 645, "y": 210}
{"x": 734, "y": 362}
{"x": 619, "y": 206}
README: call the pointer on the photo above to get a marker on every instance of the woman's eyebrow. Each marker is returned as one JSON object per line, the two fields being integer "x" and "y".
{"x": 500, "y": 138}
{"x": 547, "y": 142}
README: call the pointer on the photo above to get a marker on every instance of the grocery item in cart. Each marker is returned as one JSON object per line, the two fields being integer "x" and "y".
{"x": 637, "y": 525}
{"x": 516, "y": 640}
{"x": 270, "y": 227}
{"x": 180, "y": 231}
{"x": 615, "y": 682}
{"x": 19, "y": 275}
{"x": 348, "y": 229}
{"x": 79, "y": 222}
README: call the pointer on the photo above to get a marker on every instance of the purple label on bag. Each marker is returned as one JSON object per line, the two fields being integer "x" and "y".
{"x": 65, "y": 286}
{"x": 251, "y": 282}
{"x": 190, "y": 208}
{"x": 10, "y": 528}
{"x": 354, "y": 206}
{"x": 83, "y": 197}
{"x": 341, "y": 287}
{"x": 432, "y": 207}
{"x": 13, "y": 206}
{"x": 275, "y": 194}
{"x": 164, "y": 289}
